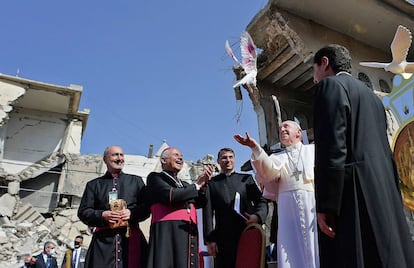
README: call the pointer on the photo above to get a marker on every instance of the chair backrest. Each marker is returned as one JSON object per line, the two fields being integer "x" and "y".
{"x": 251, "y": 248}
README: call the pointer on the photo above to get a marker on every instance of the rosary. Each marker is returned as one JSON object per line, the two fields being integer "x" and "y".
{"x": 113, "y": 195}
{"x": 115, "y": 184}
{"x": 296, "y": 172}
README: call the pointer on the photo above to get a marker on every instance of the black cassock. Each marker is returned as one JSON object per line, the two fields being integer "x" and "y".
{"x": 173, "y": 241}
{"x": 229, "y": 225}
{"x": 104, "y": 249}
{"x": 356, "y": 179}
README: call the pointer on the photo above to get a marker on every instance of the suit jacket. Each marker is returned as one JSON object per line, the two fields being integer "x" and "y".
{"x": 68, "y": 259}
{"x": 40, "y": 263}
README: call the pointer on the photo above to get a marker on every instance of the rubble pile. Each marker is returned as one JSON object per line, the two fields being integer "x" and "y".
{"x": 22, "y": 238}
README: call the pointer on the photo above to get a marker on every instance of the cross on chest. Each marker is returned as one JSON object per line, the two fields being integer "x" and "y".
{"x": 296, "y": 174}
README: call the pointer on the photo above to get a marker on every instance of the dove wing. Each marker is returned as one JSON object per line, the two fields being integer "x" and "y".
{"x": 247, "y": 79}
{"x": 373, "y": 64}
{"x": 248, "y": 51}
{"x": 230, "y": 52}
{"x": 400, "y": 44}
{"x": 278, "y": 112}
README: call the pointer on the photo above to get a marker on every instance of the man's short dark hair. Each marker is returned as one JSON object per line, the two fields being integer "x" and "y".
{"x": 339, "y": 57}
{"x": 225, "y": 149}
{"x": 79, "y": 236}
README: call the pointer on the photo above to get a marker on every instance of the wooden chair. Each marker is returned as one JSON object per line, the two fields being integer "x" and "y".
{"x": 201, "y": 256}
{"x": 251, "y": 248}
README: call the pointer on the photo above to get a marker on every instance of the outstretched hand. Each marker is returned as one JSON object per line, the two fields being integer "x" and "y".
{"x": 248, "y": 141}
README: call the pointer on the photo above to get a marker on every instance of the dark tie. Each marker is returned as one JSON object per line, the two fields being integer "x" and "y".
{"x": 74, "y": 258}
{"x": 274, "y": 253}
{"x": 48, "y": 262}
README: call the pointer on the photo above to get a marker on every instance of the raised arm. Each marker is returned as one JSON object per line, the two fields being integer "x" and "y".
{"x": 248, "y": 141}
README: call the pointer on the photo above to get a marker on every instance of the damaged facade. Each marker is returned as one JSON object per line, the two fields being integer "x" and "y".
{"x": 288, "y": 33}
{"x": 43, "y": 174}
{"x": 39, "y": 126}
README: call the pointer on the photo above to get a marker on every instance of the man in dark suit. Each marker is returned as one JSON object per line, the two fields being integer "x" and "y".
{"x": 45, "y": 259}
{"x": 75, "y": 258}
{"x": 222, "y": 239}
{"x": 358, "y": 200}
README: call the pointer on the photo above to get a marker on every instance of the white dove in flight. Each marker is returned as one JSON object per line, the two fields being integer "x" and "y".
{"x": 249, "y": 59}
{"x": 399, "y": 50}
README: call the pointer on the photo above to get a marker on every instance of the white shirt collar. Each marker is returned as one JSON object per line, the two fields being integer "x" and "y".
{"x": 45, "y": 256}
{"x": 342, "y": 72}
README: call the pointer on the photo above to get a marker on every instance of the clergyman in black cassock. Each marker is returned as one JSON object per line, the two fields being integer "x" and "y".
{"x": 358, "y": 200}
{"x": 111, "y": 247}
{"x": 222, "y": 238}
{"x": 173, "y": 241}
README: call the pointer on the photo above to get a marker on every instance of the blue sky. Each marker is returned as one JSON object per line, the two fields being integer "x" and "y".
{"x": 150, "y": 70}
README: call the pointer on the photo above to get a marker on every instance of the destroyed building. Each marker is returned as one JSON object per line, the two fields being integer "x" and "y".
{"x": 39, "y": 126}
{"x": 43, "y": 174}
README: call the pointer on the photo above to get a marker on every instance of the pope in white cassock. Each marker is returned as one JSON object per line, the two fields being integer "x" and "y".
{"x": 289, "y": 175}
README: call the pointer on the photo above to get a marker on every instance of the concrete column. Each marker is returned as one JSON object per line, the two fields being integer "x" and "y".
{"x": 13, "y": 187}
{"x": 2, "y": 138}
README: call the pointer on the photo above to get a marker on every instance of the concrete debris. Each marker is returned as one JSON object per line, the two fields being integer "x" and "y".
{"x": 8, "y": 203}
{"x": 21, "y": 237}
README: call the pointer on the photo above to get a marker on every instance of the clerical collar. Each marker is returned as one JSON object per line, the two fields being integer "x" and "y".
{"x": 229, "y": 174}
{"x": 169, "y": 172}
{"x": 111, "y": 175}
{"x": 294, "y": 147}
{"x": 177, "y": 181}
{"x": 343, "y": 72}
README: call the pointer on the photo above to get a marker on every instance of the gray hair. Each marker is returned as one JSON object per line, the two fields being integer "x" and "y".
{"x": 165, "y": 153}
{"x": 106, "y": 152}
{"x": 47, "y": 244}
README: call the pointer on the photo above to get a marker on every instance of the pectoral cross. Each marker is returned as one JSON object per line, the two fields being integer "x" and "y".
{"x": 296, "y": 173}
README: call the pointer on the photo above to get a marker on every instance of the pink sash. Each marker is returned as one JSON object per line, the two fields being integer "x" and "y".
{"x": 161, "y": 212}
